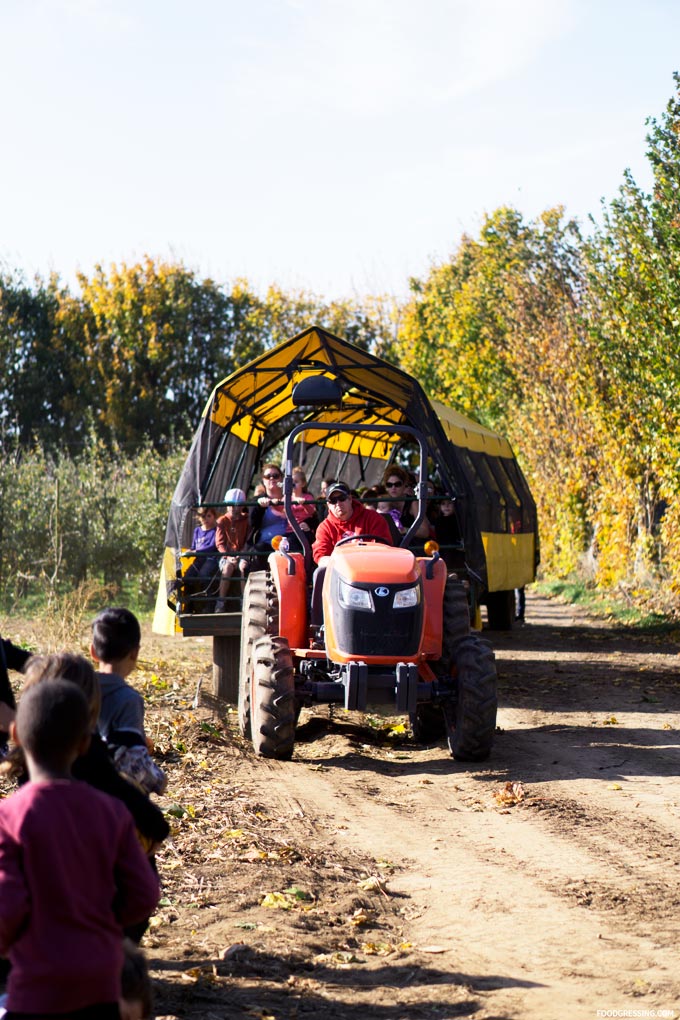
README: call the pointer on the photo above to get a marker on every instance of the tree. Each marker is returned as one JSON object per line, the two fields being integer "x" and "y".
{"x": 634, "y": 319}
{"x": 496, "y": 333}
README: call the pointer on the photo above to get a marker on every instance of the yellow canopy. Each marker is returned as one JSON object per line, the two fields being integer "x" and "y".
{"x": 259, "y": 395}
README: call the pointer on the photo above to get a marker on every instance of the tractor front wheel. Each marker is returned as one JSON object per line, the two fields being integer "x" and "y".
{"x": 272, "y": 708}
{"x": 455, "y": 619}
{"x": 253, "y": 627}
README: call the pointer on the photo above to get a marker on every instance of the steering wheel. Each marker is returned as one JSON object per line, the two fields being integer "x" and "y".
{"x": 363, "y": 538}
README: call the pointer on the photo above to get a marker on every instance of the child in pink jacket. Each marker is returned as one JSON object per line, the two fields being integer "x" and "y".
{"x": 72, "y": 872}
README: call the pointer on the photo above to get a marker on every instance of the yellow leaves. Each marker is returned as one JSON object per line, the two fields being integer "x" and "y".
{"x": 398, "y": 730}
{"x": 377, "y": 948}
{"x": 362, "y": 916}
{"x": 181, "y": 811}
{"x": 611, "y": 720}
{"x": 294, "y": 896}
{"x": 341, "y": 959}
{"x": 206, "y": 973}
{"x": 372, "y": 884}
{"x": 276, "y": 901}
{"x": 509, "y": 794}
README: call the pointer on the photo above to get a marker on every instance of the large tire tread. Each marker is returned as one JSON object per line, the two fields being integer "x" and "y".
{"x": 273, "y": 712}
{"x": 456, "y": 618}
{"x": 254, "y": 625}
{"x": 471, "y": 721}
{"x": 428, "y": 723}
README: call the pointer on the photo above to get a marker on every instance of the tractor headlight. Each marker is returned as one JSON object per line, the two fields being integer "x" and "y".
{"x": 354, "y": 598}
{"x": 407, "y": 597}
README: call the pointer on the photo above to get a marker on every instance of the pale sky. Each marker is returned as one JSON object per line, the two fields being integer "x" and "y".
{"x": 338, "y": 146}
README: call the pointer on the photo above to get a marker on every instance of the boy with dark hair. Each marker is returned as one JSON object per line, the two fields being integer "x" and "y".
{"x": 116, "y": 639}
{"x": 72, "y": 873}
{"x": 116, "y": 634}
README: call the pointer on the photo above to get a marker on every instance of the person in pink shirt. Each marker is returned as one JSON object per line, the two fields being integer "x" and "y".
{"x": 72, "y": 872}
{"x": 304, "y": 505}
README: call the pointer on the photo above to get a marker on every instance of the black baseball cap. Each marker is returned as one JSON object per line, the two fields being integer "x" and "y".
{"x": 338, "y": 487}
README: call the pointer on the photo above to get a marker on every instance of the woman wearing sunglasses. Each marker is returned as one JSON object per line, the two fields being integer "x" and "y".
{"x": 399, "y": 487}
{"x": 268, "y": 517}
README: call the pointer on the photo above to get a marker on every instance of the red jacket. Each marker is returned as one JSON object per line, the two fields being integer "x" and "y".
{"x": 364, "y": 521}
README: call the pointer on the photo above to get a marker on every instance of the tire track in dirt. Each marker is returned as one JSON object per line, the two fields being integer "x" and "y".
{"x": 567, "y": 902}
{"x": 558, "y": 905}
{"x": 503, "y": 895}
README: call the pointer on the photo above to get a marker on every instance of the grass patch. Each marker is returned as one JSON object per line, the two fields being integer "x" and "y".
{"x": 618, "y": 608}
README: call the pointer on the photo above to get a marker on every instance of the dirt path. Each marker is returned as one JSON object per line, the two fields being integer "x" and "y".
{"x": 373, "y": 879}
{"x": 543, "y": 884}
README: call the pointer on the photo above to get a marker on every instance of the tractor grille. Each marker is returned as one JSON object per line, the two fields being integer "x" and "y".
{"x": 386, "y": 632}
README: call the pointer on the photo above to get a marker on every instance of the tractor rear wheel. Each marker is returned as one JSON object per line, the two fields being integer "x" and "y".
{"x": 273, "y": 698}
{"x": 427, "y": 722}
{"x": 500, "y": 609}
{"x": 471, "y": 717}
{"x": 455, "y": 619}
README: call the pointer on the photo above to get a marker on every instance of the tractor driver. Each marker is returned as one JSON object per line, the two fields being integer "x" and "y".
{"x": 346, "y": 516}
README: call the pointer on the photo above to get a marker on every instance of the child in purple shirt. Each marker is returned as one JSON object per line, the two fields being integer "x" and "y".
{"x": 203, "y": 544}
{"x": 72, "y": 873}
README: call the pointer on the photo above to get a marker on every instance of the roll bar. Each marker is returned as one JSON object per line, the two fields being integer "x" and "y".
{"x": 401, "y": 430}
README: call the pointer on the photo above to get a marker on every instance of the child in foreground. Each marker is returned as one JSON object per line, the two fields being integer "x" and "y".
{"x": 96, "y": 765}
{"x": 116, "y": 639}
{"x": 72, "y": 873}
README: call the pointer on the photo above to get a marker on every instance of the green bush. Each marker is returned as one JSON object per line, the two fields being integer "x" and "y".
{"x": 99, "y": 517}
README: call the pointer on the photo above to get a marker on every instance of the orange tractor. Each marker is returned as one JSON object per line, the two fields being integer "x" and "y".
{"x": 395, "y": 633}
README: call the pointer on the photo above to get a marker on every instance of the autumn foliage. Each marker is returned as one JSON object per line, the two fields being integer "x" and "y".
{"x": 567, "y": 341}
{"x": 570, "y": 347}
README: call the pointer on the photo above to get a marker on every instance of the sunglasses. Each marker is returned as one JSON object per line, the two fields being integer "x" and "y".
{"x": 338, "y": 499}
{"x": 272, "y": 478}
{"x": 394, "y": 485}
